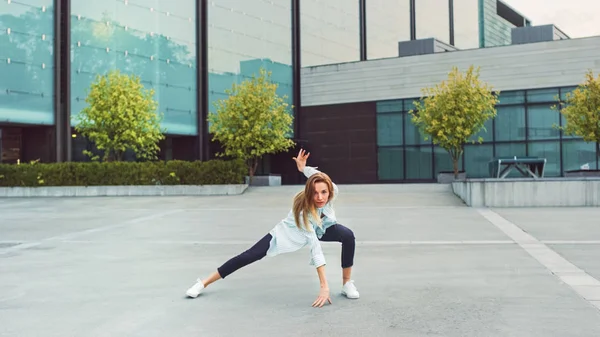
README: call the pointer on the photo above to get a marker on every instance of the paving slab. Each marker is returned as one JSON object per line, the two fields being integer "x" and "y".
{"x": 556, "y": 223}
{"x": 585, "y": 256}
{"x": 120, "y": 267}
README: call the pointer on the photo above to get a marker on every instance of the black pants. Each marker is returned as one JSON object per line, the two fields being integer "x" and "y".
{"x": 334, "y": 233}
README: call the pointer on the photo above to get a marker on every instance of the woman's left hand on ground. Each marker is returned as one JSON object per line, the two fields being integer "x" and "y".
{"x": 323, "y": 297}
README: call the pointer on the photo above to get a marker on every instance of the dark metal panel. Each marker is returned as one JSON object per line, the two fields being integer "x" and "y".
{"x": 341, "y": 136}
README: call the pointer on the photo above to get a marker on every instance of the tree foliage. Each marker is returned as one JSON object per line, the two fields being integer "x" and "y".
{"x": 252, "y": 121}
{"x": 121, "y": 115}
{"x": 455, "y": 110}
{"x": 582, "y": 110}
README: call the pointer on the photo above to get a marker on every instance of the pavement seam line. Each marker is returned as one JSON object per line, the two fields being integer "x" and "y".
{"x": 581, "y": 282}
{"x": 70, "y": 236}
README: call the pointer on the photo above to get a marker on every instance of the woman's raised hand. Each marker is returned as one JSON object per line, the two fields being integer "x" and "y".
{"x": 301, "y": 159}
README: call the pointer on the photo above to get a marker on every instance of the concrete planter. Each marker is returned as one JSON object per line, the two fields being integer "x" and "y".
{"x": 448, "y": 177}
{"x": 583, "y": 173}
{"x": 265, "y": 180}
{"x": 520, "y": 192}
{"x": 117, "y": 191}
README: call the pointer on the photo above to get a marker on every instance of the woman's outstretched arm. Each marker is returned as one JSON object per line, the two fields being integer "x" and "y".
{"x": 318, "y": 260}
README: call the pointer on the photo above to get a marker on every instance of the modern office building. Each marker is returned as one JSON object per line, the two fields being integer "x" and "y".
{"x": 350, "y": 68}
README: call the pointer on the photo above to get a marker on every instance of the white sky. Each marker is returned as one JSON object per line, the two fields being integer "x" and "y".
{"x": 577, "y": 18}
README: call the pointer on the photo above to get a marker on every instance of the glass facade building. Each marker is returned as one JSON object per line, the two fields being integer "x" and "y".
{"x": 190, "y": 51}
{"x": 524, "y": 126}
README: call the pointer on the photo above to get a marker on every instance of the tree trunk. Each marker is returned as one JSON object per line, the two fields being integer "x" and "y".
{"x": 455, "y": 166}
{"x": 455, "y": 155}
{"x": 252, "y": 165}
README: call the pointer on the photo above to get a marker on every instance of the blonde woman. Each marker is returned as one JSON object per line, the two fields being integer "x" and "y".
{"x": 311, "y": 219}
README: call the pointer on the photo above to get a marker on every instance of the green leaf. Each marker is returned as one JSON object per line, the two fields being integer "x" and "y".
{"x": 582, "y": 110}
{"x": 121, "y": 115}
{"x": 252, "y": 121}
{"x": 453, "y": 111}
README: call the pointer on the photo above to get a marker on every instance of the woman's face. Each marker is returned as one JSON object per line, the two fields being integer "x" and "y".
{"x": 321, "y": 194}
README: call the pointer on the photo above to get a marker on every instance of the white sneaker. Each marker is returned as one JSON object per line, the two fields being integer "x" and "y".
{"x": 349, "y": 289}
{"x": 196, "y": 289}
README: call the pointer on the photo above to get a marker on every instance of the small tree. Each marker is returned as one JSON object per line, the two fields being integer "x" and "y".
{"x": 120, "y": 115}
{"x": 582, "y": 111}
{"x": 252, "y": 121}
{"x": 454, "y": 111}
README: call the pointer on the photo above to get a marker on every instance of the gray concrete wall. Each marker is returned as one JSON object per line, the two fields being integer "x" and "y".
{"x": 547, "y": 192}
{"x": 527, "y": 66}
{"x": 100, "y": 191}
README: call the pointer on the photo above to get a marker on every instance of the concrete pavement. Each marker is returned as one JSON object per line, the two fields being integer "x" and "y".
{"x": 426, "y": 265}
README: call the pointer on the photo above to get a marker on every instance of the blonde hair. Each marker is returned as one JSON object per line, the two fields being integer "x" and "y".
{"x": 304, "y": 201}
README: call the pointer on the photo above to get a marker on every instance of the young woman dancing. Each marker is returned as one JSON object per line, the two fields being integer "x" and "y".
{"x": 311, "y": 219}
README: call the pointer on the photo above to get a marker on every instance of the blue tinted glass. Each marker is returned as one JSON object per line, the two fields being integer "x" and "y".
{"x": 579, "y": 155}
{"x": 542, "y": 95}
{"x": 510, "y": 123}
{"x": 389, "y": 129}
{"x": 477, "y": 158}
{"x": 541, "y": 122}
{"x": 565, "y": 91}
{"x": 27, "y": 61}
{"x": 389, "y": 106}
{"x": 487, "y": 132}
{"x": 419, "y": 163}
{"x": 153, "y": 39}
{"x": 245, "y": 36}
{"x": 550, "y": 151}
{"x": 511, "y": 97}
{"x": 390, "y": 163}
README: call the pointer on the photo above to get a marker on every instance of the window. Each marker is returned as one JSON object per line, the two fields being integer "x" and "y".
{"x": 541, "y": 122}
{"x": 155, "y": 40}
{"x": 27, "y": 61}
{"x": 477, "y": 158}
{"x": 391, "y": 163}
{"x": 388, "y": 22}
{"x": 389, "y": 129}
{"x": 487, "y": 132}
{"x": 550, "y": 151}
{"x": 511, "y": 150}
{"x": 510, "y": 123}
{"x": 413, "y": 135}
{"x": 433, "y": 19}
{"x": 466, "y": 24}
{"x": 542, "y": 95}
{"x": 579, "y": 155}
{"x": 419, "y": 162}
{"x": 329, "y": 29}
{"x": 511, "y": 97}
{"x": 245, "y": 36}
{"x": 389, "y": 106}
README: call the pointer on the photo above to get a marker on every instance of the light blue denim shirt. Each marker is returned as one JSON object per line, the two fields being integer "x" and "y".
{"x": 287, "y": 237}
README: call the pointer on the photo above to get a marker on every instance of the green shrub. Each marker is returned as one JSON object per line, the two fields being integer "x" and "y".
{"x": 175, "y": 172}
